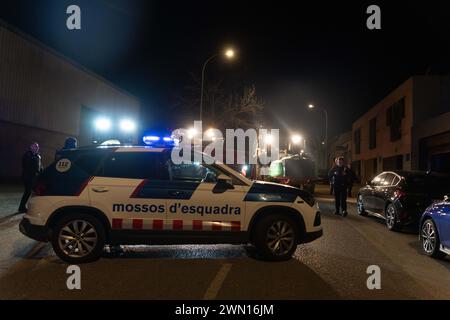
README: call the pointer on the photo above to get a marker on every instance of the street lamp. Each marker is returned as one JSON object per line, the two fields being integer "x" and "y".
{"x": 229, "y": 54}
{"x": 311, "y": 107}
{"x": 191, "y": 133}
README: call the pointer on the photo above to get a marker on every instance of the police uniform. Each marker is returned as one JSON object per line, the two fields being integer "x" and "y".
{"x": 340, "y": 177}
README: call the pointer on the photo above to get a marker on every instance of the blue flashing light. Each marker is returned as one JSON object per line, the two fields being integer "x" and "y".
{"x": 157, "y": 141}
{"x": 149, "y": 139}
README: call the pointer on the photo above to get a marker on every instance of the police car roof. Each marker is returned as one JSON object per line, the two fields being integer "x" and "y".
{"x": 113, "y": 148}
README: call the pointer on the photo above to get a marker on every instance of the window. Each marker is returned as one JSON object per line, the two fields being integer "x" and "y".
{"x": 357, "y": 140}
{"x": 192, "y": 172}
{"x": 396, "y": 181}
{"x": 89, "y": 162}
{"x": 373, "y": 133}
{"x": 388, "y": 179}
{"x": 394, "y": 116}
{"x": 377, "y": 180}
{"x": 135, "y": 165}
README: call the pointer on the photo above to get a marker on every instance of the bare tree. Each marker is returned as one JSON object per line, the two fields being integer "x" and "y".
{"x": 241, "y": 111}
{"x": 221, "y": 109}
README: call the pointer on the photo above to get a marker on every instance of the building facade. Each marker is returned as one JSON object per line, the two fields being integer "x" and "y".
{"x": 408, "y": 129}
{"x": 45, "y": 97}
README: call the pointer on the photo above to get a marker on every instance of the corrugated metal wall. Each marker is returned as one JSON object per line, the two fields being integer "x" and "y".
{"x": 42, "y": 90}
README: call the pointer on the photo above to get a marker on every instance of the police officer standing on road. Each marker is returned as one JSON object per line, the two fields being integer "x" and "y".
{"x": 31, "y": 166}
{"x": 339, "y": 175}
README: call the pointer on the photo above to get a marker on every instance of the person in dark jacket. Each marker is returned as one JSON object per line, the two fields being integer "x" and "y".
{"x": 339, "y": 174}
{"x": 70, "y": 143}
{"x": 31, "y": 166}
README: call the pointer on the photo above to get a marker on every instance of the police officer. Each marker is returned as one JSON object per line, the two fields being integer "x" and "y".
{"x": 70, "y": 143}
{"x": 339, "y": 175}
{"x": 31, "y": 166}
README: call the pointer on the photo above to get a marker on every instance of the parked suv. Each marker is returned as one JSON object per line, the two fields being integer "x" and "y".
{"x": 138, "y": 195}
{"x": 400, "y": 197}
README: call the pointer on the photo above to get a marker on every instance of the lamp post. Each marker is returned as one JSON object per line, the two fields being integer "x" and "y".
{"x": 229, "y": 54}
{"x": 311, "y": 107}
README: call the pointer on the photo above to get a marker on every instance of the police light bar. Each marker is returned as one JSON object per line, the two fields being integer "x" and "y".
{"x": 153, "y": 140}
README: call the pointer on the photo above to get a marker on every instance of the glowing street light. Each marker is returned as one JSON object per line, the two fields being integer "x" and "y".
{"x": 229, "y": 54}
{"x": 191, "y": 133}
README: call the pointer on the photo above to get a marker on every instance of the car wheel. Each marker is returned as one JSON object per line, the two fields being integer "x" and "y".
{"x": 391, "y": 217}
{"x": 78, "y": 238}
{"x": 360, "y": 206}
{"x": 276, "y": 237}
{"x": 429, "y": 239}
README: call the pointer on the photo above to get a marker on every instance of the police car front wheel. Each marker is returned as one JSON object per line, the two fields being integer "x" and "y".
{"x": 276, "y": 237}
{"x": 78, "y": 238}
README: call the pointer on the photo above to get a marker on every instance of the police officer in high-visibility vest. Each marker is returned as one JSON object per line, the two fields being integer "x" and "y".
{"x": 340, "y": 176}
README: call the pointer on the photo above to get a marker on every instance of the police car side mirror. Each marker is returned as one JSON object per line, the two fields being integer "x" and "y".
{"x": 223, "y": 184}
{"x": 224, "y": 179}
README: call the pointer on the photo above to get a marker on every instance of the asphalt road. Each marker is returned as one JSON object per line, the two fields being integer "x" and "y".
{"x": 333, "y": 267}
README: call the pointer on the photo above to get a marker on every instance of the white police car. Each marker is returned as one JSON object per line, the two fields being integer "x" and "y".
{"x": 137, "y": 195}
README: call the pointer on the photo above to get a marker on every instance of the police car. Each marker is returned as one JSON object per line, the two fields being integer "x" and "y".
{"x": 92, "y": 197}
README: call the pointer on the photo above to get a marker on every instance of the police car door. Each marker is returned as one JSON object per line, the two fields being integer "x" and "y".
{"x": 199, "y": 202}
{"x": 126, "y": 189}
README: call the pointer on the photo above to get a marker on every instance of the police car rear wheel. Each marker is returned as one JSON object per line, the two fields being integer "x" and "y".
{"x": 276, "y": 237}
{"x": 78, "y": 238}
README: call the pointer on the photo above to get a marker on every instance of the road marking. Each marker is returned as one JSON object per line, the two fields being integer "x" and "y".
{"x": 216, "y": 284}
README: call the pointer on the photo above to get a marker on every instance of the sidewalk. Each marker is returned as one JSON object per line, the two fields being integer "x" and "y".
{"x": 322, "y": 193}
{"x": 10, "y": 195}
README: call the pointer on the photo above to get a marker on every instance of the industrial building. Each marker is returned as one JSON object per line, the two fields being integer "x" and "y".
{"x": 409, "y": 129}
{"x": 46, "y": 97}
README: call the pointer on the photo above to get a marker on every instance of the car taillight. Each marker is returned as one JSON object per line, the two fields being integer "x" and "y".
{"x": 39, "y": 189}
{"x": 399, "y": 193}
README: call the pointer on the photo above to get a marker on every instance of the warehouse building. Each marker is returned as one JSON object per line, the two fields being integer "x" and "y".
{"x": 408, "y": 130}
{"x": 45, "y": 97}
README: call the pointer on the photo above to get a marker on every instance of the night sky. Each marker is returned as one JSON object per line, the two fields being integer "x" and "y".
{"x": 293, "y": 53}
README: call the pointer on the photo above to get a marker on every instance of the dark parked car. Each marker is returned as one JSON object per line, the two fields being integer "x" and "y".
{"x": 400, "y": 197}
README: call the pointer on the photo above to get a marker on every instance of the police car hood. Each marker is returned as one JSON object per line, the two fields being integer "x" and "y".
{"x": 269, "y": 191}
